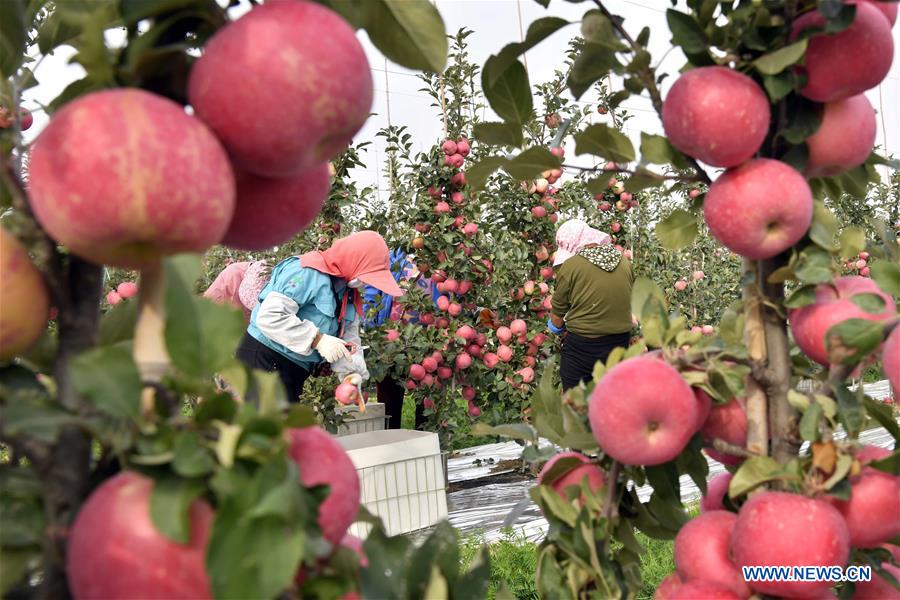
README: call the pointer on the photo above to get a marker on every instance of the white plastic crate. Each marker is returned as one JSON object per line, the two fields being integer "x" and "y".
{"x": 401, "y": 477}
{"x": 356, "y": 422}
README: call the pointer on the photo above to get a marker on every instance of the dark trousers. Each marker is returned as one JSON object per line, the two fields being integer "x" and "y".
{"x": 258, "y": 356}
{"x": 579, "y": 354}
{"x": 390, "y": 393}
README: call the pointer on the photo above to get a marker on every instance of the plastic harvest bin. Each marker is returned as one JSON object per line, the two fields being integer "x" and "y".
{"x": 401, "y": 478}
{"x": 356, "y": 422}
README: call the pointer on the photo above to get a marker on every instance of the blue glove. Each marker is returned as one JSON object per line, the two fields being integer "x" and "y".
{"x": 553, "y": 328}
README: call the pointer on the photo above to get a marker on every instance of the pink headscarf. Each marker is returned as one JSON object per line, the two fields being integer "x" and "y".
{"x": 224, "y": 290}
{"x": 572, "y": 236}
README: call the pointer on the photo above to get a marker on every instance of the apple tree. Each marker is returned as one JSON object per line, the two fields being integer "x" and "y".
{"x": 126, "y": 470}
{"x": 767, "y": 121}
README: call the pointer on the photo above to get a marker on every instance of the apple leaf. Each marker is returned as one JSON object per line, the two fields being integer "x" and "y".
{"x": 409, "y": 32}
{"x": 775, "y": 62}
{"x": 753, "y": 472}
{"x": 801, "y": 297}
{"x": 677, "y": 230}
{"x": 809, "y": 423}
{"x": 108, "y": 378}
{"x": 686, "y": 32}
{"x": 478, "y": 173}
{"x": 850, "y": 408}
{"x": 594, "y": 62}
{"x": 870, "y": 302}
{"x": 849, "y": 341}
{"x": 605, "y": 141}
{"x": 813, "y": 266}
{"x": 884, "y": 414}
{"x": 642, "y": 179}
{"x": 887, "y": 275}
{"x": 510, "y": 93}
{"x": 170, "y": 501}
{"x": 779, "y": 86}
{"x": 531, "y": 163}
{"x": 852, "y": 241}
{"x": 13, "y": 36}
{"x": 538, "y": 31}
{"x": 499, "y": 134}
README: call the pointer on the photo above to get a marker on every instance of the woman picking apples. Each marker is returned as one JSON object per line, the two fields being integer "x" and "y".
{"x": 231, "y": 285}
{"x": 592, "y": 300}
{"x": 310, "y": 310}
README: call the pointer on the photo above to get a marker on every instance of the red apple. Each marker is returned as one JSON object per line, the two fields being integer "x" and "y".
{"x": 392, "y": 335}
{"x": 716, "y": 490}
{"x": 702, "y": 551}
{"x": 681, "y": 285}
{"x": 845, "y": 138}
{"x": 270, "y": 211}
{"x": 781, "y": 529}
{"x": 122, "y": 177}
{"x": 458, "y": 180}
{"x": 833, "y": 305}
{"x": 346, "y": 394}
{"x": 727, "y": 422}
{"x": 127, "y": 289}
{"x": 463, "y": 361}
{"x": 595, "y": 477}
{"x": 24, "y": 299}
{"x": 456, "y": 160}
{"x": 642, "y": 412}
{"x": 449, "y": 147}
{"x": 538, "y": 212}
{"x": 115, "y": 550}
{"x": 850, "y": 62}
{"x": 306, "y": 114}
{"x": 504, "y": 353}
{"x": 667, "y": 587}
{"x": 470, "y": 229}
{"x": 462, "y": 146}
{"x": 417, "y": 372}
{"x": 518, "y": 327}
{"x": 322, "y": 460}
{"x": 527, "y": 374}
{"x": 454, "y": 309}
{"x": 113, "y": 297}
{"x": 759, "y": 209}
{"x": 443, "y": 303}
{"x": 703, "y": 590}
{"x": 716, "y": 115}
{"x": 873, "y": 511}
{"x": 444, "y": 372}
{"x": 429, "y": 364}
{"x": 441, "y": 207}
{"x": 474, "y": 411}
{"x": 26, "y": 119}
{"x": 490, "y": 359}
{"x": 878, "y": 588}
{"x": 504, "y": 334}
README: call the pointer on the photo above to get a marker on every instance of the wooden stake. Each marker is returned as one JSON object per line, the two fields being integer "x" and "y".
{"x": 150, "y": 352}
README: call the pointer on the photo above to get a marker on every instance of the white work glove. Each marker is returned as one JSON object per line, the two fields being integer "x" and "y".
{"x": 332, "y": 348}
{"x": 354, "y": 379}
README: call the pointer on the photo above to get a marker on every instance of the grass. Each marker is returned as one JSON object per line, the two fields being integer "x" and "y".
{"x": 514, "y": 560}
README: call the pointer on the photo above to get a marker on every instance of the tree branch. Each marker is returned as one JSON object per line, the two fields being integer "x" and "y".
{"x": 611, "y": 509}
{"x": 724, "y": 447}
{"x": 647, "y": 76}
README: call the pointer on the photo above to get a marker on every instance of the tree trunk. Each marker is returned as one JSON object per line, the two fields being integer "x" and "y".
{"x": 782, "y": 417}
{"x": 66, "y": 474}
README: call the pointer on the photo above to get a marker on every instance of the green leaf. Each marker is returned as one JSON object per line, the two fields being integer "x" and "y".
{"x": 108, "y": 378}
{"x": 809, "y": 423}
{"x": 852, "y": 241}
{"x": 656, "y": 149}
{"x": 510, "y": 93}
{"x": 498, "y": 134}
{"x": 538, "y": 31}
{"x": 686, "y": 32}
{"x": 14, "y": 565}
{"x": 779, "y": 86}
{"x": 516, "y": 431}
{"x": 605, "y": 141}
{"x": 841, "y": 469}
{"x": 133, "y": 11}
{"x": 531, "y": 163}
{"x": 883, "y": 413}
{"x": 478, "y": 173}
{"x": 474, "y": 583}
{"x": 13, "y": 31}
{"x": 642, "y": 290}
{"x": 642, "y": 179}
{"x": 597, "y": 29}
{"x": 775, "y": 62}
{"x": 824, "y": 226}
{"x": 849, "y": 341}
{"x": 752, "y": 473}
{"x": 410, "y": 33}
{"x": 201, "y": 336}
{"x": 170, "y": 503}
{"x": 850, "y": 409}
{"x": 55, "y": 31}
{"x": 887, "y": 275}
{"x": 677, "y": 230}
{"x": 801, "y": 297}
{"x": 593, "y": 63}
{"x": 191, "y": 459}
{"x": 813, "y": 266}
{"x": 870, "y": 302}
{"x": 117, "y": 325}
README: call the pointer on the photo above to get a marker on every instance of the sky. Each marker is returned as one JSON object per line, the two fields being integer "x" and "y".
{"x": 496, "y": 23}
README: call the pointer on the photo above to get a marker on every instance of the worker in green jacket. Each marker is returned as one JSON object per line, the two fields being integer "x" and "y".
{"x": 591, "y": 301}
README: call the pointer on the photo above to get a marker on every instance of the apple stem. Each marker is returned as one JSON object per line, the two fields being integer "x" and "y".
{"x": 150, "y": 352}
